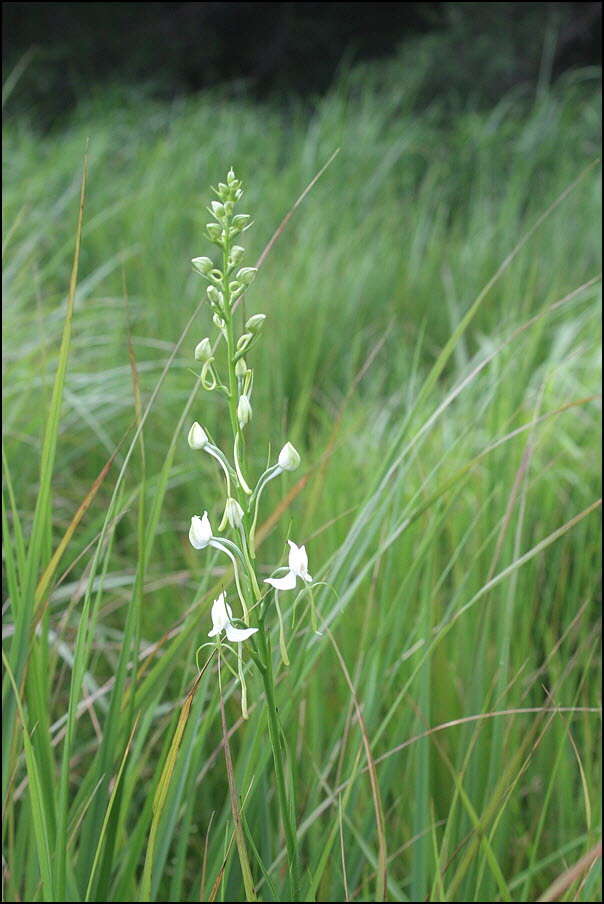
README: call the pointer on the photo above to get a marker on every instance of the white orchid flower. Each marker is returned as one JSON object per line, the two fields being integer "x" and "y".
{"x": 222, "y": 615}
{"x": 203, "y": 349}
{"x": 201, "y": 536}
{"x": 233, "y": 514}
{"x": 200, "y": 532}
{"x": 298, "y": 568}
{"x": 197, "y": 437}
{"x": 289, "y": 458}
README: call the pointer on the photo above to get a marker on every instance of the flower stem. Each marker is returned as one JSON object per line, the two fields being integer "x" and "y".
{"x": 248, "y": 882}
{"x": 276, "y": 739}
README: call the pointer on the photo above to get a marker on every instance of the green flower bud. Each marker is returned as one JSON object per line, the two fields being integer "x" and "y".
{"x": 203, "y": 350}
{"x": 240, "y": 368}
{"x": 244, "y": 411}
{"x": 233, "y": 513}
{"x": 218, "y": 322}
{"x": 231, "y": 179}
{"x": 218, "y": 210}
{"x": 214, "y": 232}
{"x": 203, "y": 265}
{"x": 246, "y": 275}
{"x": 243, "y": 341}
{"x": 237, "y": 253}
{"x": 255, "y": 323}
{"x": 216, "y": 297}
{"x": 241, "y": 221}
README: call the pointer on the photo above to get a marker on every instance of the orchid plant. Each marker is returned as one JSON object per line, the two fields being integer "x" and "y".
{"x": 251, "y": 629}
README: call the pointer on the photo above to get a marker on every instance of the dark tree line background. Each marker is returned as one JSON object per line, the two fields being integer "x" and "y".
{"x": 69, "y": 50}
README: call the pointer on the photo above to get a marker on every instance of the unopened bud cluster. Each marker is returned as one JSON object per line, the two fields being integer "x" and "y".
{"x": 225, "y": 285}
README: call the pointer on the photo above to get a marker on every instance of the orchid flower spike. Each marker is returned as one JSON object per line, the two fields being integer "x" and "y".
{"x": 221, "y": 621}
{"x": 200, "y": 532}
{"x": 298, "y": 568}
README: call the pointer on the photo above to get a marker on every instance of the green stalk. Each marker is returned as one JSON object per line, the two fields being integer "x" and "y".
{"x": 276, "y": 743}
{"x": 228, "y": 319}
{"x": 266, "y": 669}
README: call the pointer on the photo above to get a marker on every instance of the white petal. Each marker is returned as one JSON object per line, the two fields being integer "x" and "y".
{"x": 294, "y": 556}
{"x": 244, "y": 410}
{"x": 298, "y": 560}
{"x": 239, "y": 634}
{"x": 288, "y": 458}
{"x": 306, "y": 577}
{"x": 233, "y": 513}
{"x": 220, "y": 616}
{"x": 205, "y": 523}
{"x": 200, "y": 532}
{"x": 197, "y": 437}
{"x": 286, "y": 583}
{"x": 303, "y": 561}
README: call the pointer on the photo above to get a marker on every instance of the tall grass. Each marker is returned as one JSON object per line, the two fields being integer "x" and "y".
{"x": 435, "y": 352}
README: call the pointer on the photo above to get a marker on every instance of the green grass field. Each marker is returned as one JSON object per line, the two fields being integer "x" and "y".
{"x": 432, "y": 348}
